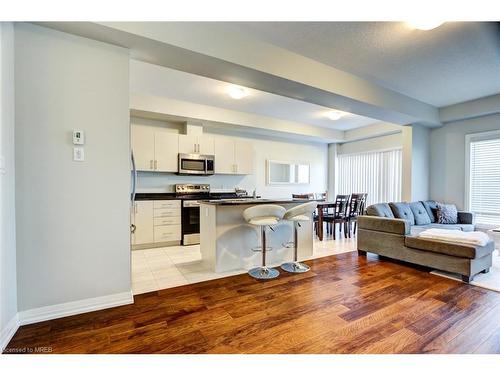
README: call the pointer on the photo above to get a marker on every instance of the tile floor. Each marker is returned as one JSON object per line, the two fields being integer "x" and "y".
{"x": 167, "y": 267}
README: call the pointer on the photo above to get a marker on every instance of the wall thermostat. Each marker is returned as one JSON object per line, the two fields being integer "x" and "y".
{"x": 78, "y": 137}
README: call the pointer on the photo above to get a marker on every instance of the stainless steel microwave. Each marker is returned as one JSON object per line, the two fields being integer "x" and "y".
{"x": 196, "y": 164}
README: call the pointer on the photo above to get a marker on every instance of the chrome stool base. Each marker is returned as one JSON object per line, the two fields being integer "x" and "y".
{"x": 263, "y": 273}
{"x": 295, "y": 267}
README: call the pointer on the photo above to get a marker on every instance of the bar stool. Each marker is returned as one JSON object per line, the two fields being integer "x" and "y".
{"x": 264, "y": 215}
{"x": 297, "y": 214}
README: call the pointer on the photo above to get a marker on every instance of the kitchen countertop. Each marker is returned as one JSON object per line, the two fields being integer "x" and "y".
{"x": 155, "y": 196}
{"x": 238, "y": 201}
{"x": 173, "y": 196}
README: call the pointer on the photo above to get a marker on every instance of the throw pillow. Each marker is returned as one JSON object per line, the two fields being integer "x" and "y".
{"x": 431, "y": 207}
{"x": 420, "y": 213}
{"x": 402, "y": 210}
{"x": 380, "y": 209}
{"x": 447, "y": 213}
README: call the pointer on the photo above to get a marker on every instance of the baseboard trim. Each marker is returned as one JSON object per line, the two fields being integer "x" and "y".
{"x": 8, "y": 332}
{"x": 73, "y": 308}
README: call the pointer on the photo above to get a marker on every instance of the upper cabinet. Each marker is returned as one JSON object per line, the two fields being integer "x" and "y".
{"x": 224, "y": 156}
{"x": 166, "y": 151}
{"x": 143, "y": 147}
{"x": 244, "y": 156}
{"x": 154, "y": 149}
{"x": 188, "y": 144}
{"x": 196, "y": 144}
{"x": 234, "y": 156}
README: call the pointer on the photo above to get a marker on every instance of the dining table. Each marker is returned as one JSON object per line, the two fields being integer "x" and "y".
{"x": 322, "y": 206}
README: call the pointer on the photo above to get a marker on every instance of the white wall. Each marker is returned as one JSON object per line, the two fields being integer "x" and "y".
{"x": 447, "y": 150}
{"x": 8, "y": 284}
{"x": 332, "y": 173}
{"x": 420, "y": 163}
{"x": 73, "y": 240}
{"x": 314, "y": 154}
{"x": 372, "y": 144}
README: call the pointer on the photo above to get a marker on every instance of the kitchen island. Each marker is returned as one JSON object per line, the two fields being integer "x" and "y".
{"x": 226, "y": 239}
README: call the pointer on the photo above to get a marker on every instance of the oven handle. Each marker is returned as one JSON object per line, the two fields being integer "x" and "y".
{"x": 190, "y": 204}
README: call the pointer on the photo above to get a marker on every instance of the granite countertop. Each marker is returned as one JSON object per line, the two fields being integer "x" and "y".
{"x": 147, "y": 196}
{"x": 240, "y": 201}
{"x": 155, "y": 196}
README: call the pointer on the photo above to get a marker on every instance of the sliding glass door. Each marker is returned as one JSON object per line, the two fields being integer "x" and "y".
{"x": 375, "y": 173}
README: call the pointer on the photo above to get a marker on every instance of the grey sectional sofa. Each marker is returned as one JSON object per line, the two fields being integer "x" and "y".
{"x": 391, "y": 230}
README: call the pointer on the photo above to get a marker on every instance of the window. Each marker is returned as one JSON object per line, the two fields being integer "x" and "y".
{"x": 375, "y": 173}
{"x": 484, "y": 177}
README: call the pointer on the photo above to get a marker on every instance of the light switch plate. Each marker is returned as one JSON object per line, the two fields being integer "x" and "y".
{"x": 78, "y": 154}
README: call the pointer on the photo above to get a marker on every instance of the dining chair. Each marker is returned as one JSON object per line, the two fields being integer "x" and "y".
{"x": 338, "y": 215}
{"x": 355, "y": 208}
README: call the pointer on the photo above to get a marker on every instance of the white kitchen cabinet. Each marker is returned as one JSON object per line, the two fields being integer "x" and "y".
{"x": 154, "y": 150}
{"x": 143, "y": 146}
{"x": 206, "y": 145}
{"x": 233, "y": 156}
{"x": 244, "y": 157}
{"x": 196, "y": 144}
{"x": 188, "y": 144}
{"x": 224, "y": 155}
{"x": 157, "y": 150}
{"x": 166, "y": 151}
{"x": 144, "y": 222}
{"x": 156, "y": 222}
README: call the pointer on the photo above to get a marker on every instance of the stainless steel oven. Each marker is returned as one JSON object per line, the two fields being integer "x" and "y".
{"x": 190, "y": 211}
{"x": 196, "y": 164}
{"x": 190, "y": 222}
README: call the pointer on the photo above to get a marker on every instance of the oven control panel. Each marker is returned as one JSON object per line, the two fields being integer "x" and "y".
{"x": 192, "y": 189}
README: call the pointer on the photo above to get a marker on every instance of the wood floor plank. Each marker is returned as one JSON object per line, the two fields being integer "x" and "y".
{"x": 345, "y": 304}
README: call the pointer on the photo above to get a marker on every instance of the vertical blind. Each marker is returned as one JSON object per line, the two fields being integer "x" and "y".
{"x": 375, "y": 173}
{"x": 484, "y": 186}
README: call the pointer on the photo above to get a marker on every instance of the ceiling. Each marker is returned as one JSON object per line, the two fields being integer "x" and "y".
{"x": 165, "y": 82}
{"x": 456, "y": 62}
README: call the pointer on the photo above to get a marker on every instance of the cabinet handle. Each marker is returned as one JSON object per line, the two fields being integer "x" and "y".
{"x": 135, "y": 207}
{"x": 151, "y": 164}
{"x": 156, "y": 164}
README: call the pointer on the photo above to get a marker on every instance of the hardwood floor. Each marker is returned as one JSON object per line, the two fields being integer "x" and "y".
{"x": 345, "y": 304}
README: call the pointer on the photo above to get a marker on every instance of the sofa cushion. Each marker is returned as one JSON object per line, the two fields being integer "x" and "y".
{"x": 416, "y": 229}
{"x": 402, "y": 210}
{"x": 465, "y": 217}
{"x": 450, "y": 248}
{"x": 447, "y": 213}
{"x": 431, "y": 208}
{"x": 380, "y": 209}
{"x": 420, "y": 213}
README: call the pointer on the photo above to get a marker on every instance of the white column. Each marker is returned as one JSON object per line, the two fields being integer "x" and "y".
{"x": 332, "y": 171}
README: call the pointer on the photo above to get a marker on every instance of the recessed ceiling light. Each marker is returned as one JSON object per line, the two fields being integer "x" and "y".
{"x": 425, "y": 24}
{"x": 335, "y": 115}
{"x": 237, "y": 92}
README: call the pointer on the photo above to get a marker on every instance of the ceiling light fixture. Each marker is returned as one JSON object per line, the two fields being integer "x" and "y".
{"x": 424, "y": 24}
{"x": 335, "y": 115}
{"x": 237, "y": 92}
